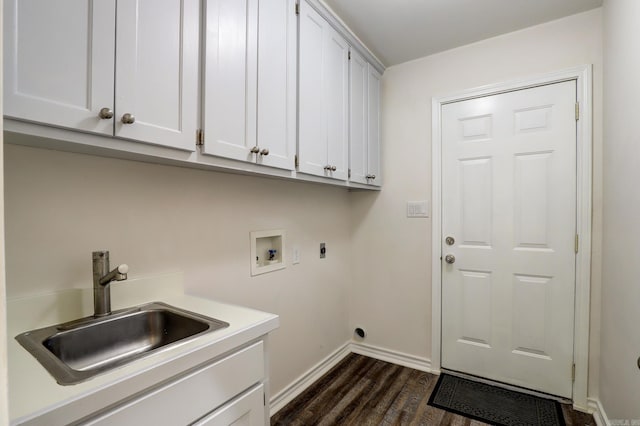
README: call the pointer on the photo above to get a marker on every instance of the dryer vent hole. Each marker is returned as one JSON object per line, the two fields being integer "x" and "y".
{"x": 360, "y": 333}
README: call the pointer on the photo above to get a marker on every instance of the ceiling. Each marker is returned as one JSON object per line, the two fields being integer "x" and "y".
{"x": 397, "y": 31}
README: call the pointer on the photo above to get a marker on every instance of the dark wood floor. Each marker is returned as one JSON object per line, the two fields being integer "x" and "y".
{"x": 364, "y": 391}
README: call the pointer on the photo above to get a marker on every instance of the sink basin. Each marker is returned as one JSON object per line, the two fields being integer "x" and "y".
{"x": 79, "y": 350}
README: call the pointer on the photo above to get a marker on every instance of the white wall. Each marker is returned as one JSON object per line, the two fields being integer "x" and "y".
{"x": 61, "y": 206}
{"x": 619, "y": 373}
{"x": 391, "y": 295}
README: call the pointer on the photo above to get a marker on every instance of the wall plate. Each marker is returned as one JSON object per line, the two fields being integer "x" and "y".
{"x": 267, "y": 251}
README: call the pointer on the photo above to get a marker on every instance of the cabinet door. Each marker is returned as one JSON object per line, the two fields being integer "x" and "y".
{"x": 312, "y": 142}
{"x": 246, "y": 410}
{"x": 230, "y": 78}
{"x": 59, "y": 62}
{"x": 324, "y": 97}
{"x": 336, "y": 71}
{"x": 157, "y": 71}
{"x": 358, "y": 116}
{"x": 277, "y": 37}
{"x": 373, "y": 143}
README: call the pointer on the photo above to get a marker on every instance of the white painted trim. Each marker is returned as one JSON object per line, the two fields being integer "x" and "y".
{"x": 582, "y": 75}
{"x": 285, "y": 396}
{"x": 394, "y": 357}
{"x": 597, "y": 411}
{"x": 282, "y": 398}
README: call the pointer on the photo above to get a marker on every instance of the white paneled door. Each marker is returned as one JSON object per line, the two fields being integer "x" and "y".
{"x": 508, "y": 237}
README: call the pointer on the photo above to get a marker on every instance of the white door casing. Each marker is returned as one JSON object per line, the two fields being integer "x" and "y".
{"x": 509, "y": 201}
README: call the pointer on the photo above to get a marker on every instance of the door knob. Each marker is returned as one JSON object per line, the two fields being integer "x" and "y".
{"x": 128, "y": 118}
{"x": 105, "y": 113}
{"x": 450, "y": 241}
{"x": 450, "y": 259}
{"x": 265, "y": 151}
{"x": 255, "y": 150}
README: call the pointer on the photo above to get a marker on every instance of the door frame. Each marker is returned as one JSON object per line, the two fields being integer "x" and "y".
{"x": 583, "y": 77}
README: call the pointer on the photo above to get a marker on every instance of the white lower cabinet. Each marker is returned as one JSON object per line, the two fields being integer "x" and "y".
{"x": 229, "y": 391}
{"x": 246, "y": 410}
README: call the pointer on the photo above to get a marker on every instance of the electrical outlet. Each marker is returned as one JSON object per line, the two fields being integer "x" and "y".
{"x": 323, "y": 251}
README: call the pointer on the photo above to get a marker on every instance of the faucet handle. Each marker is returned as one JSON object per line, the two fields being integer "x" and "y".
{"x": 123, "y": 269}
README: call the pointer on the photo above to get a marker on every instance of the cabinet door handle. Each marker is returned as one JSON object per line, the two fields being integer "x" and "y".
{"x": 128, "y": 118}
{"x": 330, "y": 168}
{"x": 371, "y": 176}
{"x": 265, "y": 151}
{"x": 106, "y": 113}
{"x": 255, "y": 150}
{"x": 334, "y": 168}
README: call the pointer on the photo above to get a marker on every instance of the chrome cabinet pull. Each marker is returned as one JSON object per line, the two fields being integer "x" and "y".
{"x": 128, "y": 118}
{"x": 106, "y": 113}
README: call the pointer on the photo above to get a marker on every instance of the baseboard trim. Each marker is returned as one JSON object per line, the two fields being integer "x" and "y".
{"x": 285, "y": 396}
{"x": 282, "y": 398}
{"x": 597, "y": 411}
{"x": 394, "y": 357}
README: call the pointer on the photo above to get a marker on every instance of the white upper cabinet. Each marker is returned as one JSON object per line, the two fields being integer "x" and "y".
{"x": 277, "y": 79}
{"x": 364, "y": 131}
{"x": 230, "y": 78}
{"x": 358, "y": 118}
{"x": 59, "y": 62}
{"x": 250, "y": 81}
{"x": 324, "y": 91}
{"x": 65, "y": 60}
{"x": 157, "y": 71}
{"x": 374, "y": 168}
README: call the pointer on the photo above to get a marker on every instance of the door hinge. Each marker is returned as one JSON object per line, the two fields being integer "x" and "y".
{"x": 573, "y": 372}
{"x": 349, "y": 55}
{"x": 297, "y": 8}
{"x": 296, "y": 161}
{"x": 349, "y": 173}
{"x": 577, "y": 243}
{"x": 577, "y": 111}
{"x": 264, "y": 399}
{"x": 199, "y": 137}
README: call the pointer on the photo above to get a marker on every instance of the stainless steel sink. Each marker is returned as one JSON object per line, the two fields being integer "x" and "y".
{"x": 79, "y": 350}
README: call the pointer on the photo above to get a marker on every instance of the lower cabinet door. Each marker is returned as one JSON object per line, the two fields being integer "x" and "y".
{"x": 246, "y": 410}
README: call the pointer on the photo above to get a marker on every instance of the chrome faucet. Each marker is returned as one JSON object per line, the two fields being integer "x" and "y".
{"x": 102, "y": 279}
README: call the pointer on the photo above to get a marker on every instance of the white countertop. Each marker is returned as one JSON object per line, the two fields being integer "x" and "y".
{"x": 36, "y": 398}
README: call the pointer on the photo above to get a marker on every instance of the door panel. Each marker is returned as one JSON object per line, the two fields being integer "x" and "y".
{"x": 73, "y": 40}
{"x": 373, "y": 124}
{"x": 337, "y": 96}
{"x": 277, "y": 60}
{"x": 157, "y": 71}
{"x": 312, "y": 118}
{"x": 358, "y": 115}
{"x": 230, "y": 78}
{"x": 509, "y": 201}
